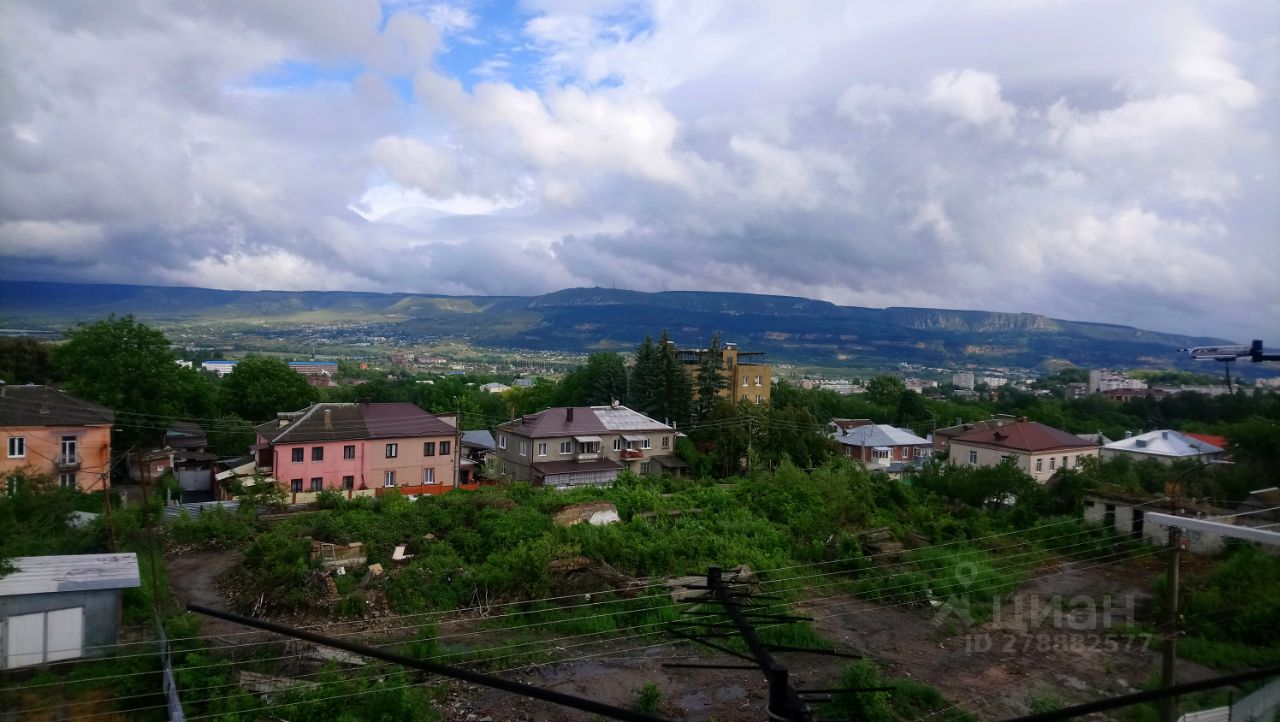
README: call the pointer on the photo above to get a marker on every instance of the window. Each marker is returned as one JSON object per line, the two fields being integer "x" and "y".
{"x": 17, "y": 447}
{"x": 393, "y": 450}
{"x": 524, "y": 448}
{"x": 745, "y": 382}
{"x": 428, "y": 476}
{"x": 67, "y": 480}
{"x": 880, "y": 453}
{"x": 349, "y": 451}
{"x": 295, "y": 485}
{"x": 1052, "y": 461}
{"x": 644, "y": 467}
{"x": 317, "y": 483}
{"x": 298, "y": 455}
{"x": 1039, "y": 465}
{"x": 647, "y": 443}
{"x": 502, "y": 441}
{"x": 348, "y": 482}
{"x": 1064, "y": 462}
{"x": 759, "y": 399}
{"x": 758, "y": 381}
{"x": 973, "y": 457}
{"x": 1077, "y": 464}
{"x": 69, "y": 455}
{"x": 617, "y": 444}
{"x": 566, "y": 447}
{"x": 444, "y": 448}
{"x": 666, "y": 442}
{"x": 317, "y": 453}
{"x": 389, "y": 478}
{"x": 542, "y": 448}
{"x": 11, "y": 486}
{"x": 428, "y": 448}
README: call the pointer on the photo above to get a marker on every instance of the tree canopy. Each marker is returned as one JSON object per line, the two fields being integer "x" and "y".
{"x": 129, "y": 367}
{"x": 260, "y": 387}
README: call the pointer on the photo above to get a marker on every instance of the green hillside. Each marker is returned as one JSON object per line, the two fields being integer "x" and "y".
{"x": 789, "y": 328}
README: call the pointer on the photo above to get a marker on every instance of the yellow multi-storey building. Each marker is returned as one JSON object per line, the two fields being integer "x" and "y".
{"x": 748, "y": 376}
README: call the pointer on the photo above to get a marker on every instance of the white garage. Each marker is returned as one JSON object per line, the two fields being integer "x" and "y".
{"x": 58, "y": 608}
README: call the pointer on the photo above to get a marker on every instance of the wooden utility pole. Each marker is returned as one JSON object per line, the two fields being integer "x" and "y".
{"x": 1169, "y": 705}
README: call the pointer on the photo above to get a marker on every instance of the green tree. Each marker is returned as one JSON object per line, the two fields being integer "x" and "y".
{"x": 644, "y": 376}
{"x": 259, "y": 387}
{"x": 673, "y": 402}
{"x": 710, "y": 380}
{"x": 25, "y": 361}
{"x": 129, "y": 367}
{"x": 885, "y": 390}
{"x": 600, "y": 381}
{"x": 230, "y": 435}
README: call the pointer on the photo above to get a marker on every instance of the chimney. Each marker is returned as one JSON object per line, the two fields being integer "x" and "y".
{"x": 1164, "y": 434}
{"x": 568, "y": 415}
{"x": 1128, "y": 434}
{"x": 613, "y": 403}
{"x": 1022, "y": 419}
{"x": 328, "y": 420}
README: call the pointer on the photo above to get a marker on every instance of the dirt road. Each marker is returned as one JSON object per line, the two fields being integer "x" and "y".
{"x": 193, "y": 578}
{"x": 1056, "y": 642}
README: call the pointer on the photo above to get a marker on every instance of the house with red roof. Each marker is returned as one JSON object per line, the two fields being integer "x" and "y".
{"x": 360, "y": 450}
{"x": 1038, "y": 449}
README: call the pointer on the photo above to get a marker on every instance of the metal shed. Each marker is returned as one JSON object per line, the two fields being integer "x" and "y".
{"x": 56, "y": 608}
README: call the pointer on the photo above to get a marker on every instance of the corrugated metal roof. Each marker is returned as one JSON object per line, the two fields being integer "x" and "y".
{"x": 621, "y": 418}
{"x": 1164, "y": 442}
{"x": 878, "y": 435}
{"x": 71, "y": 573}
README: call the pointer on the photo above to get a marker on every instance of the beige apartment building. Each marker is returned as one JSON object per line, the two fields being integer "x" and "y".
{"x": 748, "y": 376}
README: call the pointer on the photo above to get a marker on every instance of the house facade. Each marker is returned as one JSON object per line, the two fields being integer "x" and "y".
{"x": 747, "y": 375}
{"x": 359, "y": 450}
{"x": 880, "y": 446}
{"x": 54, "y": 433}
{"x": 1165, "y": 446}
{"x": 58, "y": 608}
{"x": 1039, "y": 450}
{"x": 582, "y": 445}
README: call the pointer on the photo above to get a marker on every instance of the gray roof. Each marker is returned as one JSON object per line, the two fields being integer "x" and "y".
{"x": 878, "y": 435}
{"x": 621, "y": 418}
{"x": 481, "y": 439}
{"x": 33, "y": 405}
{"x": 71, "y": 573}
{"x": 1164, "y": 442}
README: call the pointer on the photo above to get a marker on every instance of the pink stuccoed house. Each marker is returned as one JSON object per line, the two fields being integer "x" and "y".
{"x": 360, "y": 450}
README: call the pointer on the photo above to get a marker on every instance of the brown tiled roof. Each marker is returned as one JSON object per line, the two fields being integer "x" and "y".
{"x": 1028, "y": 436}
{"x": 549, "y": 468}
{"x": 355, "y": 421}
{"x": 556, "y": 422}
{"x": 32, "y": 405}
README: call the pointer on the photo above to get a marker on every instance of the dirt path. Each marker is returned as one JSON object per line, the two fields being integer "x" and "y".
{"x": 193, "y": 578}
{"x": 1045, "y": 646}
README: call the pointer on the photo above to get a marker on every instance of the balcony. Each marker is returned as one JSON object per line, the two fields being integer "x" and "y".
{"x": 66, "y": 462}
{"x": 587, "y": 456}
{"x": 632, "y": 454}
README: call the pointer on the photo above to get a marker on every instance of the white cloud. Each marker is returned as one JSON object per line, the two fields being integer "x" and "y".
{"x": 970, "y": 95}
{"x": 1092, "y": 159}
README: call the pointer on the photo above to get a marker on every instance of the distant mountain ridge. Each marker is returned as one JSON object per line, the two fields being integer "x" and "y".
{"x": 790, "y": 328}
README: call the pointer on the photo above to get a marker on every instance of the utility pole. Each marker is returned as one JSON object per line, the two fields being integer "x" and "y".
{"x": 1169, "y": 705}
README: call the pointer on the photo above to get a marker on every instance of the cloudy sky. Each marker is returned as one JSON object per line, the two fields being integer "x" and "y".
{"x": 1108, "y": 161}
